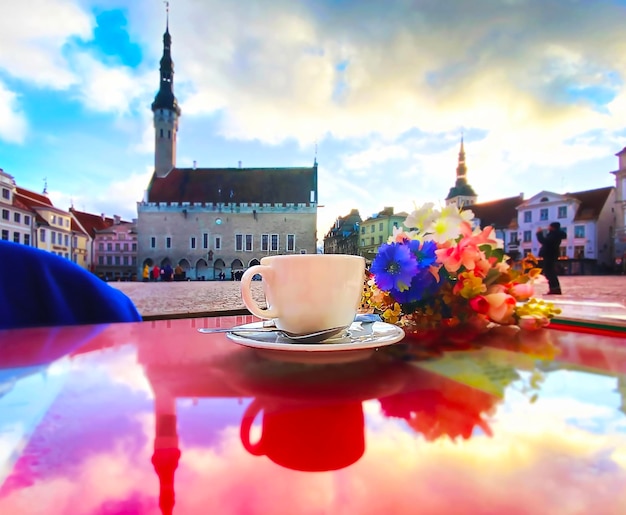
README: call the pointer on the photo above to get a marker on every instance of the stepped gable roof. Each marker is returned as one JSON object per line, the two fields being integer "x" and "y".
{"x": 235, "y": 185}
{"x": 591, "y": 203}
{"x": 499, "y": 213}
{"x": 90, "y": 222}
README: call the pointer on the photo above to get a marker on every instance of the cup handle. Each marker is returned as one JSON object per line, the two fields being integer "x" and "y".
{"x": 246, "y": 294}
{"x": 250, "y": 414}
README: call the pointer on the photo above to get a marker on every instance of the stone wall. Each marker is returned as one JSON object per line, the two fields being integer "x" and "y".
{"x": 221, "y": 223}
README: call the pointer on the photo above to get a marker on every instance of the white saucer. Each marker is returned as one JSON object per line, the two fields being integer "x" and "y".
{"x": 358, "y": 342}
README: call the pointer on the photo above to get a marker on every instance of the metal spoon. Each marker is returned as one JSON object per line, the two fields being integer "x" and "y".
{"x": 299, "y": 337}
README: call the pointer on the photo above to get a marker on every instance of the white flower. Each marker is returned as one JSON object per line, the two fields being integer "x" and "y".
{"x": 421, "y": 218}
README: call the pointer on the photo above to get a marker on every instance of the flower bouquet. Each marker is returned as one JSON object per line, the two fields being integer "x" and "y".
{"x": 445, "y": 279}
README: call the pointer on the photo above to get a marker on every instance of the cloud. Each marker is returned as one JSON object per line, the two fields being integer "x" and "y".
{"x": 117, "y": 197}
{"x": 113, "y": 89}
{"x": 13, "y": 124}
{"x": 33, "y": 35}
{"x": 509, "y": 69}
{"x": 376, "y": 154}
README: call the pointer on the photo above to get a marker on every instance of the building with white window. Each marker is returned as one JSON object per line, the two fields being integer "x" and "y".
{"x": 588, "y": 219}
{"x": 216, "y": 222}
{"x": 375, "y": 230}
{"x": 16, "y": 219}
{"x": 112, "y": 245}
{"x": 51, "y": 226}
{"x": 620, "y": 211}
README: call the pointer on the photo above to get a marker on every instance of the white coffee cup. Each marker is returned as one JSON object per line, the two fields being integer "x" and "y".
{"x": 307, "y": 292}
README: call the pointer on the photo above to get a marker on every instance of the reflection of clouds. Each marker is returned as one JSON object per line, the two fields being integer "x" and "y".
{"x": 535, "y": 463}
{"x": 118, "y": 364}
{"x": 561, "y": 454}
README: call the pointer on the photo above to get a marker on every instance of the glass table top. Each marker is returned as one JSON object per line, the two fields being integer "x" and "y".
{"x": 155, "y": 417}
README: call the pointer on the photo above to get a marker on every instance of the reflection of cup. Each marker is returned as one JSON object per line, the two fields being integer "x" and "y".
{"x": 307, "y": 293}
{"x": 308, "y": 437}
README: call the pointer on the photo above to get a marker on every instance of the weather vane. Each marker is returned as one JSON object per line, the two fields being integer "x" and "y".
{"x": 167, "y": 13}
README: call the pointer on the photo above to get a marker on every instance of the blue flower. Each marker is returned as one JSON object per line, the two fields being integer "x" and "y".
{"x": 425, "y": 253}
{"x": 423, "y": 285}
{"x": 394, "y": 267}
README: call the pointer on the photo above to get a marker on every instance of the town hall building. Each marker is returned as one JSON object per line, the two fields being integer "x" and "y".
{"x": 216, "y": 222}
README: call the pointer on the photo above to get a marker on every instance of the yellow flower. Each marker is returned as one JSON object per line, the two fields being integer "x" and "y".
{"x": 469, "y": 285}
{"x": 392, "y": 316}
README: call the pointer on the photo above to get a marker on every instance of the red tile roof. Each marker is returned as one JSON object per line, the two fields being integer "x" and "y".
{"x": 92, "y": 223}
{"x": 77, "y": 228}
{"x": 34, "y": 201}
{"x": 591, "y": 202}
{"x": 238, "y": 185}
{"x": 19, "y": 204}
{"x": 37, "y": 198}
{"x": 501, "y": 214}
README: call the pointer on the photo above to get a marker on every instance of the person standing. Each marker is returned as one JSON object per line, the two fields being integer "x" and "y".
{"x": 550, "y": 252}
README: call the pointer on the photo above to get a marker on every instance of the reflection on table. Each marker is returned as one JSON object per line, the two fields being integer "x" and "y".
{"x": 154, "y": 417}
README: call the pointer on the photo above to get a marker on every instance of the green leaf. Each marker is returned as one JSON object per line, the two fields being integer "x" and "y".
{"x": 486, "y": 249}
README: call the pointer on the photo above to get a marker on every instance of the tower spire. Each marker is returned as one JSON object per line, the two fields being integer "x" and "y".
{"x": 461, "y": 194}
{"x": 461, "y": 169}
{"x": 165, "y": 98}
{"x": 165, "y": 108}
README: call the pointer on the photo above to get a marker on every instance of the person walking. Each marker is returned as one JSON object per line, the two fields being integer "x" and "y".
{"x": 550, "y": 252}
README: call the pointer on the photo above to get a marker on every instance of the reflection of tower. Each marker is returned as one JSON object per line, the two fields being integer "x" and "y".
{"x": 166, "y": 451}
{"x": 621, "y": 388}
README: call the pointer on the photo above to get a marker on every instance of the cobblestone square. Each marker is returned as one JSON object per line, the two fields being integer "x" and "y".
{"x": 171, "y": 298}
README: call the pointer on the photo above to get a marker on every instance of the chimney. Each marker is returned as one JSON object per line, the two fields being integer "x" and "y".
{"x": 194, "y": 164}
{"x": 102, "y": 216}
{"x": 117, "y": 219}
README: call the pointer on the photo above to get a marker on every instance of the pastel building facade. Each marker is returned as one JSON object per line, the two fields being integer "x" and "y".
{"x": 376, "y": 230}
{"x": 587, "y": 217}
{"x": 16, "y": 219}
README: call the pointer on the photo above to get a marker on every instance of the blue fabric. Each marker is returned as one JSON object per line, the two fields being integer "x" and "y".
{"x": 38, "y": 288}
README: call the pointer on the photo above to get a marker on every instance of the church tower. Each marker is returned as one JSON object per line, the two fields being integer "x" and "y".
{"x": 461, "y": 194}
{"x": 166, "y": 112}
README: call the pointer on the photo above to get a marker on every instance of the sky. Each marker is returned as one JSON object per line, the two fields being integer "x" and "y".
{"x": 379, "y": 92}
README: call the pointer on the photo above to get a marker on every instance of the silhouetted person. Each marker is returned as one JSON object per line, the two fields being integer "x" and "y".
{"x": 550, "y": 252}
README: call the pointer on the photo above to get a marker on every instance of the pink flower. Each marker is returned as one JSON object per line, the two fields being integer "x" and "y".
{"x": 480, "y": 304}
{"x": 454, "y": 257}
{"x": 522, "y": 291}
{"x": 501, "y": 307}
